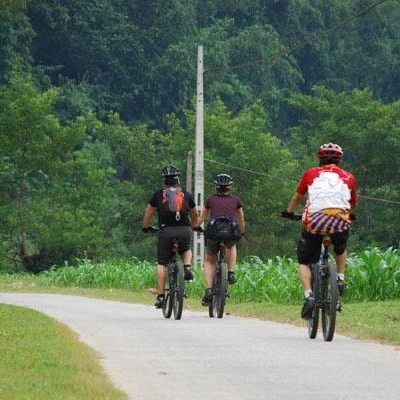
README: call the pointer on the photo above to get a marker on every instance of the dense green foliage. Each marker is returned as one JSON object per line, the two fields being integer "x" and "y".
{"x": 96, "y": 97}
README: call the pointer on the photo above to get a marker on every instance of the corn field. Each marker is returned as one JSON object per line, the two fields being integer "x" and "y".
{"x": 371, "y": 275}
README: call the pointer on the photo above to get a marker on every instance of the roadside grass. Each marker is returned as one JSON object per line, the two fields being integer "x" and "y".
{"x": 43, "y": 359}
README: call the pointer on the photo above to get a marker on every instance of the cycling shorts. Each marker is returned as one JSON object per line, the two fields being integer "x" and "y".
{"x": 309, "y": 246}
{"x": 164, "y": 244}
{"x": 212, "y": 246}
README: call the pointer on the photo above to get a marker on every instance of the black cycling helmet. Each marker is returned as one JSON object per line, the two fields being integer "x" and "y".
{"x": 170, "y": 170}
{"x": 223, "y": 180}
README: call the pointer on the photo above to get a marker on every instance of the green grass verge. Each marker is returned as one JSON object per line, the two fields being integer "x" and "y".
{"x": 43, "y": 359}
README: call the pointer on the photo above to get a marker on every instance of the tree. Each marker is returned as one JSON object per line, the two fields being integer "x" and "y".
{"x": 16, "y": 35}
{"x": 54, "y": 185}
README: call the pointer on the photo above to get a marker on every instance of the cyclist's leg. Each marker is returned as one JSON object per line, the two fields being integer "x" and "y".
{"x": 308, "y": 251}
{"x": 231, "y": 255}
{"x": 209, "y": 259}
{"x": 161, "y": 278}
{"x": 163, "y": 254}
{"x": 341, "y": 262}
{"x": 305, "y": 278}
{"x": 209, "y": 270}
{"x": 184, "y": 233}
{"x": 339, "y": 241}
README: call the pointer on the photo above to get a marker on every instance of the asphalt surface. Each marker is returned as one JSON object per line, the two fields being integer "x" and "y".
{"x": 202, "y": 358}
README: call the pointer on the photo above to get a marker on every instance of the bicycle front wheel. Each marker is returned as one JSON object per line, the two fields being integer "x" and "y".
{"x": 329, "y": 302}
{"x": 179, "y": 290}
{"x": 312, "y": 323}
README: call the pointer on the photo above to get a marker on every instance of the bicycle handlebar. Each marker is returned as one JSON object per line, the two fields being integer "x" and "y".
{"x": 150, "y": 229}
{"x": 198, "y": 229}
{"x": 293, "y": 216}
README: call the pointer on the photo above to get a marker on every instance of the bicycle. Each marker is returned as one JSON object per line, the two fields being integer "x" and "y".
{"x": 325, "y": 291}
{"x": 220, "y": 284}
{"x": 175, "y": 285}
{"x": 219, "y": 290}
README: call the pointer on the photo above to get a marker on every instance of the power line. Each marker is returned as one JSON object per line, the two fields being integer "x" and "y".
{"x": 291, "y": 180}
{"x": 308, "y": 40}
{"x": 250, "y": 171}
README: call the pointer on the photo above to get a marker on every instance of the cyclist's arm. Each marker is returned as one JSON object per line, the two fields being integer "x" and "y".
{"x": 194, "y": 217}
{"x": 294, "y": 202}
{"x": 148, "y": 215}
{"x": 205, "y": 213}
{"x": 240, "y": 219}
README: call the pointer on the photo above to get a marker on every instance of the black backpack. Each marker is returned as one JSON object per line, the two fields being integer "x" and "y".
{"x": 222, "y": 229}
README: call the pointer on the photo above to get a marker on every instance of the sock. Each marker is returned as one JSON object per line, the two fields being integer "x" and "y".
{"x": 187, "y": 266}
{"x": 340, "y": 277}
{"x": 307, "y": 293}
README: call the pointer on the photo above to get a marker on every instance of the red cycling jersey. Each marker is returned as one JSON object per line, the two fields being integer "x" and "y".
{"x": 331, "y": 193}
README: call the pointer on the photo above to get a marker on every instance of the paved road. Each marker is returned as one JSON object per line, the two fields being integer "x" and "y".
{"x": 199, "y": 358}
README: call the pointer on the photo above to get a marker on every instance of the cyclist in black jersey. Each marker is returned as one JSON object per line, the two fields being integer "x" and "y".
{"x": 171, "y": 228}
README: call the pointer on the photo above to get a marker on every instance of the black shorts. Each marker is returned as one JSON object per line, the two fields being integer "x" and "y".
{"x": 212, "y": 246}
{"x": 164, "y": 244}
{"x": 309, "y": 246}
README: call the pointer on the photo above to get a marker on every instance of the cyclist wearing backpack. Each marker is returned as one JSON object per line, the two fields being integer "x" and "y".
{"x": 176, "y": 211}
{"x": 331, "y": 200}
{"x": 221, "y": 204}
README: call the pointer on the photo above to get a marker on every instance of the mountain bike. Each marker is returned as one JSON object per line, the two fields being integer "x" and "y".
{"x": 325, "y": 291}
{"x": 220, "y": 284}
{"x": 175, "y": 284}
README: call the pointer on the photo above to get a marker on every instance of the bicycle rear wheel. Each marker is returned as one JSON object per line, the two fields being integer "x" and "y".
{"x": 312, "y": 323}
{"x": 329, "y": 302}
{"x": 217, "y": 305}
{"x": 179, "y": 290}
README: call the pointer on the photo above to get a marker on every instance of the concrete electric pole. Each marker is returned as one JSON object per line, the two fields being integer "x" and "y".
{"x": 198, "y": 242}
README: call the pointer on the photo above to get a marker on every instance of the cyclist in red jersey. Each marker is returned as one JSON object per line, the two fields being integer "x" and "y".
{"x": 221, "y": 204}
{"x": 331, "y": 199}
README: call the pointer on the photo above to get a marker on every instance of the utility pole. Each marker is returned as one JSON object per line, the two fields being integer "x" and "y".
{"x": 198, "y": 241}
{"x": 189, "y": 172}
